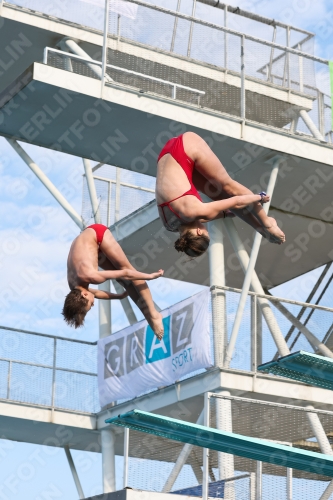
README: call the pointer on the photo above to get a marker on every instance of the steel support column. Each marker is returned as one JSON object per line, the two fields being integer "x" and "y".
{"x": 250, "y": 271}
{"x": 92, "y": 190}
{"x": 47, "y": 183}
{"x": 218, "y": 296}
{"x": 256, "y": 286}
{"x": 226, "y": 464}
{"x": 108, "y": 460}
{"x": 67, "y": 44}
{"x": 324, "y": 445}
{"x": 311, "y": 126}
{"x": 74, "y": 472}
{"x": 181, "y": 461}
{"x": 316, "y": 344}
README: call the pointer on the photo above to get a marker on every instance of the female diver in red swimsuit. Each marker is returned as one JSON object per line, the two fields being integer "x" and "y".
{"x": 186, "y": 164}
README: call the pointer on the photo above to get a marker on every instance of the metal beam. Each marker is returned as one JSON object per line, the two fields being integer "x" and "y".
{"x": 257, "y": 288}
{"x": 92, "y": 190}
{"x": 250, "y": 270}
{"x": 311, "y": 126}
{"x": 181, "y": 461}
{"x": 74, "y": 472}
{"x": 315, "y": 343}
{"x": 47, "y": 183}
{"x": 323, "y": 443}
{"x": 67, "y": 44}
{"x": 226, "y": 462}
{"x": 218, "y": 296}
{"x": 108, "y": 460}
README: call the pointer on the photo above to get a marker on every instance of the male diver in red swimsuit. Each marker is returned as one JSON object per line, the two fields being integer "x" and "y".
{"x": 94, "y": 247}
{"x": 186, "y": 164}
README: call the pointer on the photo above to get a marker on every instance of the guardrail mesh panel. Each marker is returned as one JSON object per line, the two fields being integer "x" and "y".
{"x": 76, "y": 391}
{"x": 4, "y": 368}
{"x": 151, "y": 461}
{"x": 282, "y": 424}
{"x": 77, "y": 11}
{"x": 27, "y": 348}
{"x": 31, "y": 384}
{"x": 76, "y": 356}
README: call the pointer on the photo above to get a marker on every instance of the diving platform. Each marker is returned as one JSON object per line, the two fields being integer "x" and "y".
{"x": 304, "y": 367}
{"x": 226, "y": 442}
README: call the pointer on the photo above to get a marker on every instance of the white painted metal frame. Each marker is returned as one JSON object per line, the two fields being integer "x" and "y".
{"x": 250, "y": 270}
{"x": 173, "y": 85}
{"x": 47, "y": 183}
{"x": 74, "y": 472}
{"x": 205, "y": 478}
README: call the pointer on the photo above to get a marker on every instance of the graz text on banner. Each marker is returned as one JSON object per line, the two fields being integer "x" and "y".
{"x": 134, "y": 361}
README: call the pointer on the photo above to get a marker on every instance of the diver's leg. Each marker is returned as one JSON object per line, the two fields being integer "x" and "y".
{"x": 209, "y": 166}
{"x": 115, "y": 258}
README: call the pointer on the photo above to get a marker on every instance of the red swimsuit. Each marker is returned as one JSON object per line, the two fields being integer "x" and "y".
{"x": 99, "y": 230}
{"x": 175, "y": 148}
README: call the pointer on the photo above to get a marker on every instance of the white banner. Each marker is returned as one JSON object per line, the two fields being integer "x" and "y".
{"x": 134, "y": 361}
{"x": 119, "y": 6}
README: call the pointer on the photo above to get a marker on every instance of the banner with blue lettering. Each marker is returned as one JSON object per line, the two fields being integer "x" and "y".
{"x": 134, "y": 361}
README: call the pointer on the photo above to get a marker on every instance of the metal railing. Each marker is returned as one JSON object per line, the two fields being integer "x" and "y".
{"x": 52, "y": 383}
{"x": 174, "y": 86}
{"x": 290, "y": 60}
{"x": 162, "y": 465}
{"x": 311, "y": 328}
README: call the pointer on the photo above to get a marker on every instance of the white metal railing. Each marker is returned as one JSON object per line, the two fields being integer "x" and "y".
{"x": 174, "y": 86}
{"x": 12, "y": 362}
{"x": 278, "y": 423}
{"x": 284, "y": 80}
{"x": 310, "y": 323}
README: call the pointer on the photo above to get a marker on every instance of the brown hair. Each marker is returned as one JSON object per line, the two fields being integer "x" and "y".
{"x": 191, "y": 244}
{"x": 74, "y": 310}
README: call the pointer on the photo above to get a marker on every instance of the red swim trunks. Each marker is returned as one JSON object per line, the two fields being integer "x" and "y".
{"x": 99, "y": 230}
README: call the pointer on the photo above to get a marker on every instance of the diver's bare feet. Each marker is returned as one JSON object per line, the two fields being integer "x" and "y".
{"x": 156, "y": 324}
{"x": 273, "y": 233}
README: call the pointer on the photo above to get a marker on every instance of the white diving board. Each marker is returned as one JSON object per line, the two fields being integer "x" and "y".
{"x": 303, "y": 367}
{"x": 226, "y": 442}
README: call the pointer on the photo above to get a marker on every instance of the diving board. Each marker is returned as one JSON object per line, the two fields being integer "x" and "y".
{"x": 226, "y": 442}
{"x": 303, "y": 367}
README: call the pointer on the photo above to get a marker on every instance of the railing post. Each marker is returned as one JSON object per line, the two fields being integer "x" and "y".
{"x": 300, "y": 64}
{"x": 126, "y": 448}
{"x": 243, "y": 111}
{"x": 9, "y": 379}
{"x": 119, "y": 27}
{"x": 269, "y": 76}
{"x": 226, "y": 37}
{"x": 174, "y": 92}
{"x": 118, "y": 186}
{"x": 45, "y": 54}
{"x": 206, "y": 450}
{"x": 53, "y": 376}
{"x": 254, "y": 340}
{"x": 259, "y": 481}
{"x": 191, "y": 30}
{"x": 289, "y": 484}
{"x": 105, "y": 43}
{"x": 175, "y": 29}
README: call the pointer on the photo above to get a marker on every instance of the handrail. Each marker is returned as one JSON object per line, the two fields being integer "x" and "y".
{"x": 273, "y": 298}
{"x": 99, "y": 63}
{"x": 229, "y": 31}
{"x": 46, "y": 335}
{"x": 50, "y": 367}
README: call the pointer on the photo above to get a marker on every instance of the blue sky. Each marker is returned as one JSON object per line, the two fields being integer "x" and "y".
{"x": 35, "y": 236}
